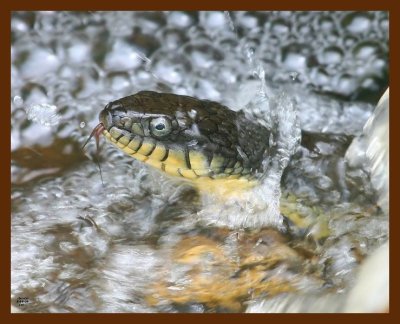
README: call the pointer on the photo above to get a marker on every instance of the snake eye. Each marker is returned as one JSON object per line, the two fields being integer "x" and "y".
{"x": 160, "y": 126}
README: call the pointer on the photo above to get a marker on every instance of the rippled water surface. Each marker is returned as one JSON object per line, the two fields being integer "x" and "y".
{"x": 142, "y": 242}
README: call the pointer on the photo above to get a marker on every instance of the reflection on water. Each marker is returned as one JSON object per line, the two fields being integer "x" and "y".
{"x": 143, "y": 242}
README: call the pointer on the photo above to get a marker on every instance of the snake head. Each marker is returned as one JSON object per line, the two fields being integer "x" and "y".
{"x": 173, "y": 120}
{"x": 183, "y": 135}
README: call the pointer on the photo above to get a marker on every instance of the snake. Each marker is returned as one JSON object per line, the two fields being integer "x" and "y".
{"x": 198, "y": 140}
{"x": 193, "y": 139}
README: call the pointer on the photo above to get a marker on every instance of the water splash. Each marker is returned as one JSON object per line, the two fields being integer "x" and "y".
{"x": 277, "y": 112}
{"x": 143, "y": 57}
{"x": 229, "y": 21}
{"x": 255, "y": 65}
{"x": 281, "y": 113}
{"x": 43, "y": 114}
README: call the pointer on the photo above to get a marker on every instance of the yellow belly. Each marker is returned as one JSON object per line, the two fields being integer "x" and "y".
{"x": 175, "y": 165}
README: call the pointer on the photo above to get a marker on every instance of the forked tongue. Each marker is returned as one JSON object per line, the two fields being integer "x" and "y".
{"x": 96, "y": 132}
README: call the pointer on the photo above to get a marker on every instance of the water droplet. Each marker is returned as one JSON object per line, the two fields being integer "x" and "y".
{"x": 293, "y": 75}
{"x": 18, "y": 101}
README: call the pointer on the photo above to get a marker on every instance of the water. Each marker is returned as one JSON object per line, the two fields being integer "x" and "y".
{"x": 18, "y": 101}
{"x": 43, "y": 114}
{"x": 143, "y": 242}
{"x": 378, "y": 149}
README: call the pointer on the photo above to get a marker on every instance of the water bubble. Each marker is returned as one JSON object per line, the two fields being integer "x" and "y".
{"x": 294, "y": 56}
{"x": 18, "y": 101}
{"x": 346, "y": 84}
{"x": 280, "y": 26}
{"x": 213, "y": 20}
{"x": 294, "y": 61}
{"x": 325, "y": 24}
{"x": 203, "y": 55}
{"x": 304, "y": 29}
{"x": 249, "y": 21}
{"x": 39, "y": 63}
{"x": 349, "y": 41}
{"x": 319, "y": 76}
{"x": 173, "y": 38}
{"x": 169, "y": 67}
{"x": 118, "y": 80}
{"x": 227, "y": 74}
{"x": 332, "y": 38}
{"x": 78, "y": 52}
{"x": 207, "y": 90}
{"x": 122, "y": 57}
{"x": 180, "y": 19}
{"x": 82, "y": 124}
{"x": 331, "y": 55}
{"x": 384, "y": 24}
{"x": 150, "y": 21}
{"x": 119, "y": 23}
{"x": 371, "y": 84}
{"x": 357, "y": 22}
{"x": 18, "y": 25}
{"x": 144, "y": 78}
{"x": 367, "y": 49}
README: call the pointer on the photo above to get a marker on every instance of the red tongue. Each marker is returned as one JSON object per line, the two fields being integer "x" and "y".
{"x": 96, "y": 132}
